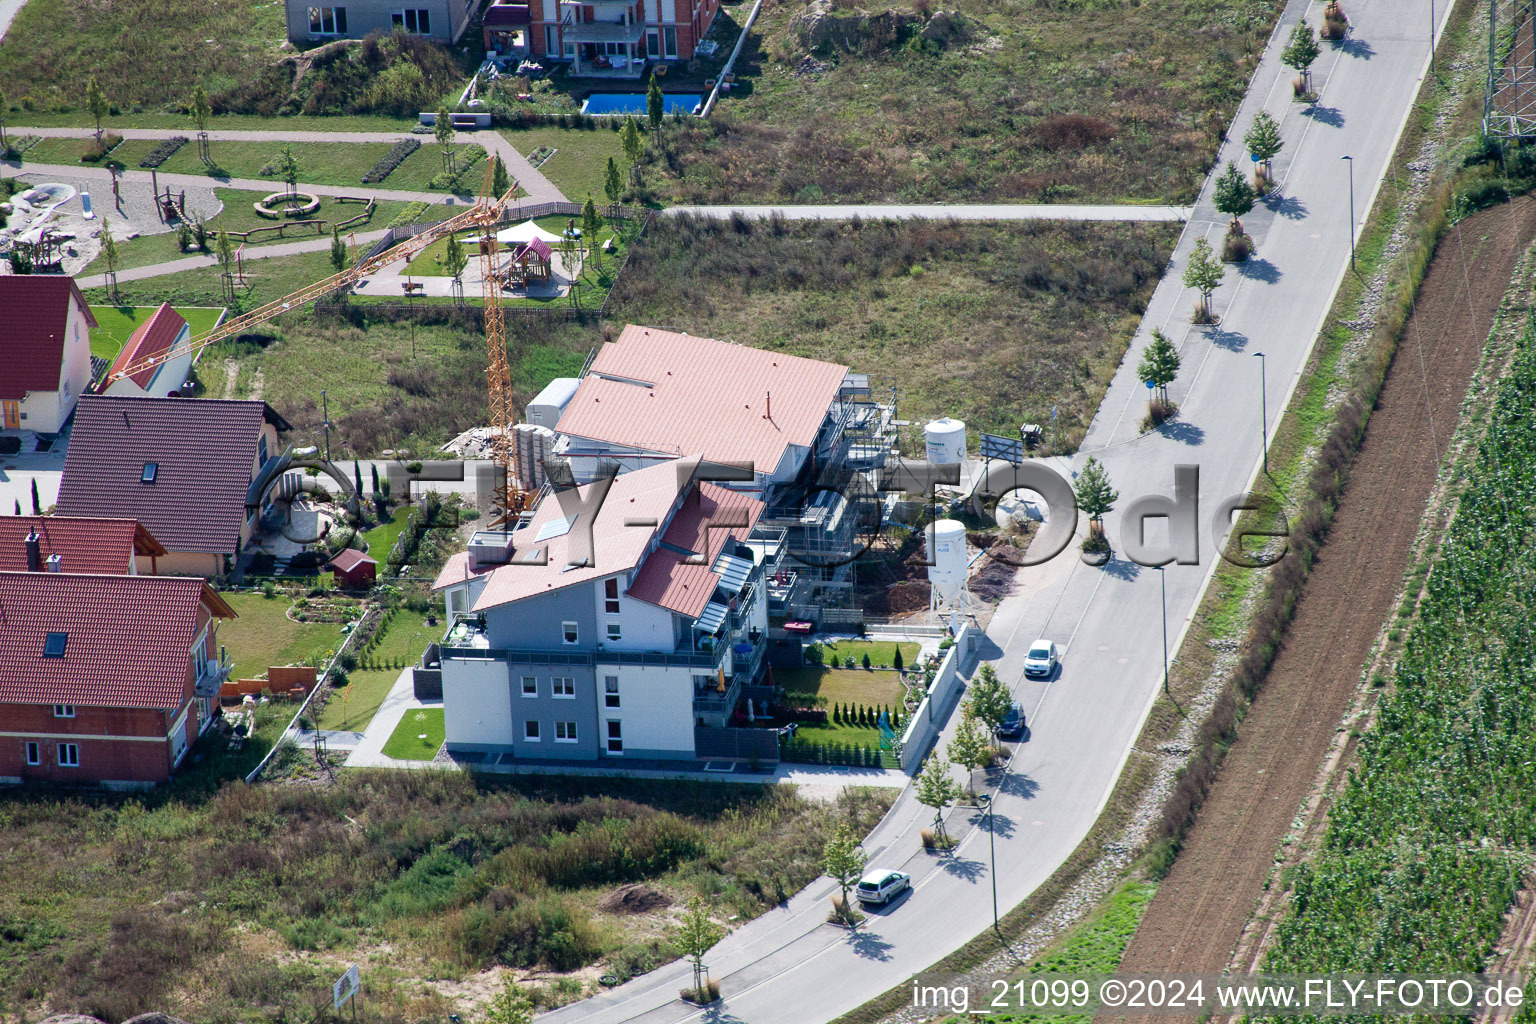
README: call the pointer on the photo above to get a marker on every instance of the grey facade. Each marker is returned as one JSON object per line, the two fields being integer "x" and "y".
{"x": 313, "y": 23}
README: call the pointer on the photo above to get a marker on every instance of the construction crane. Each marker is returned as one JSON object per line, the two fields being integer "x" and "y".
{"x": 498, "y": 375}
{"x": 485, "y": 215}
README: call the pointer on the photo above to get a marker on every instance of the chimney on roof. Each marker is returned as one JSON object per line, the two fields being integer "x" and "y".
{"x": 55, "y": 563}
{"x": 769, "y": 414}
{"x": 34, "y": 552}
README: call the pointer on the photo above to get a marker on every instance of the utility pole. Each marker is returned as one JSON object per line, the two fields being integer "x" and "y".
{"x": 325, "y": 414}
{"x": 1162, "y": 572}
{"x": 992, "y": 850}
{"x": 1263, "y": 411}
{"x": 1351, "y": 161}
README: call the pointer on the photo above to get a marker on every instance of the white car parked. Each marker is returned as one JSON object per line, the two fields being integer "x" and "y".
{"x": 882, "y": 885}
{"x": 1041, "y": 660}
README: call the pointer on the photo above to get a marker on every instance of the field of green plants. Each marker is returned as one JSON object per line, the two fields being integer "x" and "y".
{"x": 1425, "y": 850}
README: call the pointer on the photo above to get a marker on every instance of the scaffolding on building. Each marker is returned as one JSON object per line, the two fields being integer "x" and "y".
{"x": 1509, "y": 104}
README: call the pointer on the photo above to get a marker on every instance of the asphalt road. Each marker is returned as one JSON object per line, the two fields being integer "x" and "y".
{"x": 789, "y": 967}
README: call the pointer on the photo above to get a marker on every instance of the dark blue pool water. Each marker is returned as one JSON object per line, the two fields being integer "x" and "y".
{"x": 621, "y": 103}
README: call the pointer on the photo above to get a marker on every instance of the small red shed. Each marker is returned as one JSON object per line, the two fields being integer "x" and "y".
{"x": 353, "y": 568}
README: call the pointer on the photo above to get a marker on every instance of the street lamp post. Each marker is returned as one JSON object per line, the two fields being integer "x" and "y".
{"x": 1351, "y": 161}
{"x": 1431, "y": 36}
{"x": 992, "y": 850}
{"x": 1162, "y": 572}
{"x": 1263, "y": 411}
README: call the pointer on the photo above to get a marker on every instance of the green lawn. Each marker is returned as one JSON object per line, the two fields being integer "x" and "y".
{"x": 114, "y": 324}
{"x": 382, "y": 537}
{"x": 267, "y": 280}
{"x": 838, "y": 686}
{"x": 354, "y": 705}
{"x": 264, "y": 636}
{"x": 580, "y": 164}
{"x": 407, "y": 636}
{"x": 239, "y": 215}
{"x": 406, "y": 743}
{"x": 320, "y": 163}
{"x": 881, "y": 652}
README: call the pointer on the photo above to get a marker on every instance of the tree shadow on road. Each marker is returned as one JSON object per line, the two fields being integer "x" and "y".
{"x": 1122, "y": 569}
{"x": 1288, "y": 207}
{"x": 1333, "y": 117}
{"x": 1356, "y": 48}
{"x": 1017, "y": 783}
{"x": 717, "y": 1014}
{"x": 1263, "y": 271}
{"x": 869, "y": 945}
{"x": 964, "y": 867}
{"x": 1183, "y": 432}
{"x": 1232, "y": 341}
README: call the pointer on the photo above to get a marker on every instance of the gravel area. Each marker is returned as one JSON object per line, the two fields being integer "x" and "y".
{"x": 136, "y": 217}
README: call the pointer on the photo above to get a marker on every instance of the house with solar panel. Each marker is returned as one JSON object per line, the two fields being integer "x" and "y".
{"x": 807, "y": 437}
{"x": 626, "y": 621}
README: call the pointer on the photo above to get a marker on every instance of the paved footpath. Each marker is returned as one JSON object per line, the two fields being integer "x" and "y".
{"x": 538, "y": 188}
{"x": 942, "y": 211}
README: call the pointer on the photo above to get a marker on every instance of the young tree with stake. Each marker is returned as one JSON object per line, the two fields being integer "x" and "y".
{"x": 613, "y": 184}
{"x": 109, "y": 256}
{"x": 591, "y": 224}
{"x": 1264, "y": 143}
{"x": 226, "y": 256}
{"x": 338, "y": 250}
{"x": 1299, "y": 53}
{"x": 96, "y": 102}
{"x": 1095, "y": 496}
{"x": 988, "y": 699}
{"x": 442, "y": 131}
{"x": 1234, "y": 197}
{"x": 1203, "y": 273}
{"x": 632, "y": 141}
{"x": 844, "y": 860}
{"x": 289, "y": 169}
{"x": 698, "y": 935}
{"x": 1159, "y": 363}
{"x": 202, "y": 112}
{"x": 935, "y": 787}
{"x": 971, "y": 747}
{"x": 655, "y": 105}
{"x": 455, "y": 259}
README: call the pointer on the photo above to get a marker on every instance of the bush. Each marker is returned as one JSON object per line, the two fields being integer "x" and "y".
{"x": 94, "y": 151}
{"x": 389, "y": 161}
{"x": 163, "y": 151}
{"x": 1236, "y": 248}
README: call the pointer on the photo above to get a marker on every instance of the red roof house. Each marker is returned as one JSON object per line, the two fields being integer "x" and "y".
{"x": 165, "y": 332}
{"x": 45, "y": 351}
{"x": 353, "y": 568}
{"x": 181, "y": 466}
{"x": 104, "y": 678}
{"x": 75, "y": 544}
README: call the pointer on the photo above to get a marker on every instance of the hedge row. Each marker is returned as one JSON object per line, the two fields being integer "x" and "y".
{"x": 163, "y": 150}
{"x": 389, "y": 161}
{"x": 802, "y": 752}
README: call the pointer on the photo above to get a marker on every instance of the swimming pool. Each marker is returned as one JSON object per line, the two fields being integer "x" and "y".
{"x": 618, "y": 104}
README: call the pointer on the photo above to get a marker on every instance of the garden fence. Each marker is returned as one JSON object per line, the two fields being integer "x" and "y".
{"x": 923, "y": 728}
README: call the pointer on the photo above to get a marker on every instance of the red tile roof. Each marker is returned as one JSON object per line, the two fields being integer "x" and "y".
{"x": 34, "y": 311}
{"x": 85, "y": 544}
{"x": 153, "y": 337}
{"x": 129, "y": 638}
{"x": 670, "y": 579}
{"x": 674, "y": 393}
{"x": 350, "y": 558}
{"x": 203, "y": 451}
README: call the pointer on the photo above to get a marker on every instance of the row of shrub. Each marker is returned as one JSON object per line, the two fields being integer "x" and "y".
{"x": 389, "y": 161}
{"x": 163, "y": 151}
{"x": 865, "y": 715}
{"x": 858, "y": 756}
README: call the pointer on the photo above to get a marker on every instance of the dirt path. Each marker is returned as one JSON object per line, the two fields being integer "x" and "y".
{"x": 1194, "y": 923}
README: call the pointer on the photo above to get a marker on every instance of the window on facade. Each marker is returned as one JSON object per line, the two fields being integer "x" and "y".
{"x": 653, "y": 43}
{"x": 551, "y": 40}
{"x": 531, "y": 732}
{"x": 63, "y": 711}
{"x": 416, "y": 21}
{"x": 569, "y": 633}
{"x": 565, "y": 732}
{"x": 69, "y": 755}
{"x": 615, "y": 737}
{"x": 611, "y": 691}
{"x": 563, "y": 686}
{"x": 669, "y": 41}
{"x": 327, "y": 21}
{"x": 611, "y": 596}
{"x": 615, "y": 631}
{"x": 54, "y": 644}
{"x": 151, "y": 470}
{"x": 530, "y": 686}
{"x": 34, "y": 752}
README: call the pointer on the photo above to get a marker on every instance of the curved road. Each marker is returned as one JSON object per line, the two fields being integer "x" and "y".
{"x": 789, "y": 967}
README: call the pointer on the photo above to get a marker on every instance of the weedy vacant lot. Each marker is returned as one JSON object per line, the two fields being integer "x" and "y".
{"x": 994, "y": 323}
{"x": 1031, "y": 100}
{"x": 200, "y": 907}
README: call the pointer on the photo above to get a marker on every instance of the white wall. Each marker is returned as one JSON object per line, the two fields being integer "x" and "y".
{"x": 644, "y": 626}
{"x": 656, "y": 707}
{"x": 168, "y": 377}
{"x": 477, "y": 702}
{"x": 46, "y": 411}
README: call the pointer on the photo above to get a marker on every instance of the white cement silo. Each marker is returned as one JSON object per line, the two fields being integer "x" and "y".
{"x": 946, "y": 552}
{"x": 945, "y": 441}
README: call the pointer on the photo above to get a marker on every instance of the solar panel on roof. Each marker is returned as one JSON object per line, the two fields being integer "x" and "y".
{"x": 733, "y": 572}
{"x": 712, "y": 617}
{"x": 554, "y": 528}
